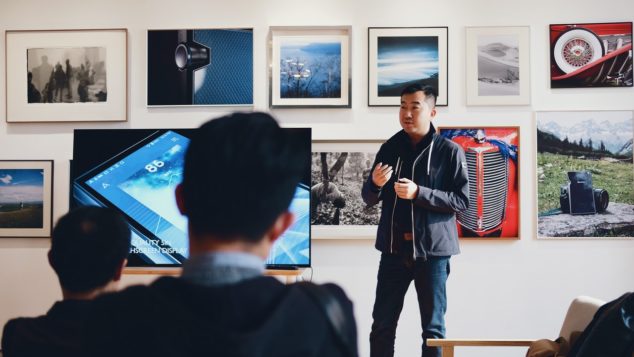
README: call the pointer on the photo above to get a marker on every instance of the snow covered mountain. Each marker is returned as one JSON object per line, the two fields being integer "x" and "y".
{"x": 615, "y": 135}
{"x": 626, "y": 150}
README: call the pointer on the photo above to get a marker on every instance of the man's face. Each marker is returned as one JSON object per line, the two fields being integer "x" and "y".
{"x": 416, "y": 114}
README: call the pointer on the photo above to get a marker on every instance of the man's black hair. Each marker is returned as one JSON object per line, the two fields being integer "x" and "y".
{"x": 430, "y": 92}
{"x": 88, "y": 245}
{"x": 240, "y": 174}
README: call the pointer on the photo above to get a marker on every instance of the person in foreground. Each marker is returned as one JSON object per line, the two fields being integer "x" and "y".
{"x": 422, "y": 180}
{"x": 240, "y": 174}
{"x": 89, "y": 247}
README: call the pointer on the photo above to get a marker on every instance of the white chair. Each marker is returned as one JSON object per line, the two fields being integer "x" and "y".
{"x": 579, "y": 315}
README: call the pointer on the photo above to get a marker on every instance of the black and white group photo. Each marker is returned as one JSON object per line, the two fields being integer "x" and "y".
{"x": 67, "y": 75}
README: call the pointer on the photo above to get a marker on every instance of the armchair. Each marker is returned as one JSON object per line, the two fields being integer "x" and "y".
{"x": 579, "y": 315}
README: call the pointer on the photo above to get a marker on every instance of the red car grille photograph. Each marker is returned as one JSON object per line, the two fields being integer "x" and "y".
{"x": 488, "y": 179}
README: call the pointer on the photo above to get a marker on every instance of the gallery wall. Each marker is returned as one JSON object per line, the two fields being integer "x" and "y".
{"x": 497, "y": 289}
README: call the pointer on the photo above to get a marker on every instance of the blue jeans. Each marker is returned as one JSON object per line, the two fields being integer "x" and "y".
{"x": 396, "y": 272}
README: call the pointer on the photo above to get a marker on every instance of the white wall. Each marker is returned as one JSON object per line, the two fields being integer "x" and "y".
{"x": 510, "y": 289}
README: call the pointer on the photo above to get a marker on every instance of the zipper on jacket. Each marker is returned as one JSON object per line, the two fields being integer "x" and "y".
{"x": 430, "y": 147}
{"x": 398, "y": 176}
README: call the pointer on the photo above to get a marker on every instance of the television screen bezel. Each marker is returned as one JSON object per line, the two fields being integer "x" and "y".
{"x": 115, "y": 144}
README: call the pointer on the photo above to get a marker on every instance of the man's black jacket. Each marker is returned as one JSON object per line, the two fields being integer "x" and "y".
{"x": 55, "y": 334}
{"x": 441, "y": 174}
{"x": 254, "y": 318}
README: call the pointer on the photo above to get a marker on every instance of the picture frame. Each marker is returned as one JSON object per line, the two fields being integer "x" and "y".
{"x": 498, "y": 65}
{"x": 71, "y": 75}
{"x": 400, "y": 56}
{"x": 494, "y": 203}
{"x": 584, "y": 175}
{"x": 356, "y": 220}
{"x": 26, "y": 198}
{"x": 310, "y": 67}
{"x": 591, "y": 55}
{"x": 200, "y": 67}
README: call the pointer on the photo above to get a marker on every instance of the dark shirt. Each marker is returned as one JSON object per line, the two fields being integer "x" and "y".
{"x": 610, "y": 333}
{"x": 173, "y": 317}
{"x": 403, "y": 210}
{"x": 55, "y": 334}
{"x": 443, "y": 191}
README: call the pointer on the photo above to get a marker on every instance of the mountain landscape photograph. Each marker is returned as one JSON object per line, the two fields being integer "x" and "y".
{"x": 597, "y": 142}
{"x": 498, "y": 65}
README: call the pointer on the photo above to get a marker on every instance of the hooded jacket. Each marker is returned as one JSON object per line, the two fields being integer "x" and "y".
{"x": 440, "y": 171}
{"x": 55, "y": 334}
{"x": 253, "y": 318}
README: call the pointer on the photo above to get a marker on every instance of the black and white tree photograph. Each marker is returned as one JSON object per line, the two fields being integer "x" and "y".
{"x": 67, "y": 75}
{"x": 337, "y": 178}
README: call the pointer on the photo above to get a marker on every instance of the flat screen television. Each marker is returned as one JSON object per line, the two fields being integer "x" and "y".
{"x": 135, "y": 171}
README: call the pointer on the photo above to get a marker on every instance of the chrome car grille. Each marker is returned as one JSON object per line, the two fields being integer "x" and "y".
{"x": 493, "y": 192}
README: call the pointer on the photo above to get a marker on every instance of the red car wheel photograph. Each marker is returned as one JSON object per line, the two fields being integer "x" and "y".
{"x": 591, "y": 55}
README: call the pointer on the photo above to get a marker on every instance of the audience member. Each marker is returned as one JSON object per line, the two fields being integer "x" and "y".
{"x": 89, "y": 247}
{"x": 241, "y": 172}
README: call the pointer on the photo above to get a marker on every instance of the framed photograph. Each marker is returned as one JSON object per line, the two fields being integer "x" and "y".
{"x": 401, "y": 56}
{"x": 498, "y": 65}
{"x": 26, "y": 198}
{"x": 338, "y": 170}
{"x": 591, "y": 55}
{"x": 585, "y": 174}
{"x": 66, "y": 75}
{"x": 493, "y": 155}
{"x": 200, "y": 67}
{"x": 310, "y": 67}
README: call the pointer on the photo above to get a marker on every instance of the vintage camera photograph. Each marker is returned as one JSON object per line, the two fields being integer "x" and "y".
{"x": 585, "y": 174}
{"x": 591, "y": 55}
{"x": 67, "y": 75}
{"x": 493, "y": 164}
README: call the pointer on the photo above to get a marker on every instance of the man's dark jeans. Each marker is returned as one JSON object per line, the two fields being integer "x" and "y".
{"x": 396, "y": 272}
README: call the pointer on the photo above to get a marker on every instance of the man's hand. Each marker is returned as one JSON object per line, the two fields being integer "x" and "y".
{"x": 406, "y": 189}
{"x": 381, "y": 174}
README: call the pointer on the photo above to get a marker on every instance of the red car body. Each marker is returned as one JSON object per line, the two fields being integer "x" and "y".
{"x": 591, "y": 55}
{"x": 493, "y": 184}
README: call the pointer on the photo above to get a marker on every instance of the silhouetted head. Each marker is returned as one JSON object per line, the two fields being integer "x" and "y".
{"x": 88, "y": 248}
{"x": 241, "y": 172}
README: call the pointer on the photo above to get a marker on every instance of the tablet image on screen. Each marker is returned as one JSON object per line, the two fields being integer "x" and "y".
{"x": 139, "y": 181}
{"x": 293, "y": 248}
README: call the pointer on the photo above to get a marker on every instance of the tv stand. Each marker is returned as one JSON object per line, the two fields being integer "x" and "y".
{"x": 290, "y": 275}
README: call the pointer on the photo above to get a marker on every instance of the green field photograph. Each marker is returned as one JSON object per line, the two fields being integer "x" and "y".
{"x": 595, "y": 149}
{"x": 25, "y": 198}
{"x": 21, "y": 198}
{"x": 337, "y": 178}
